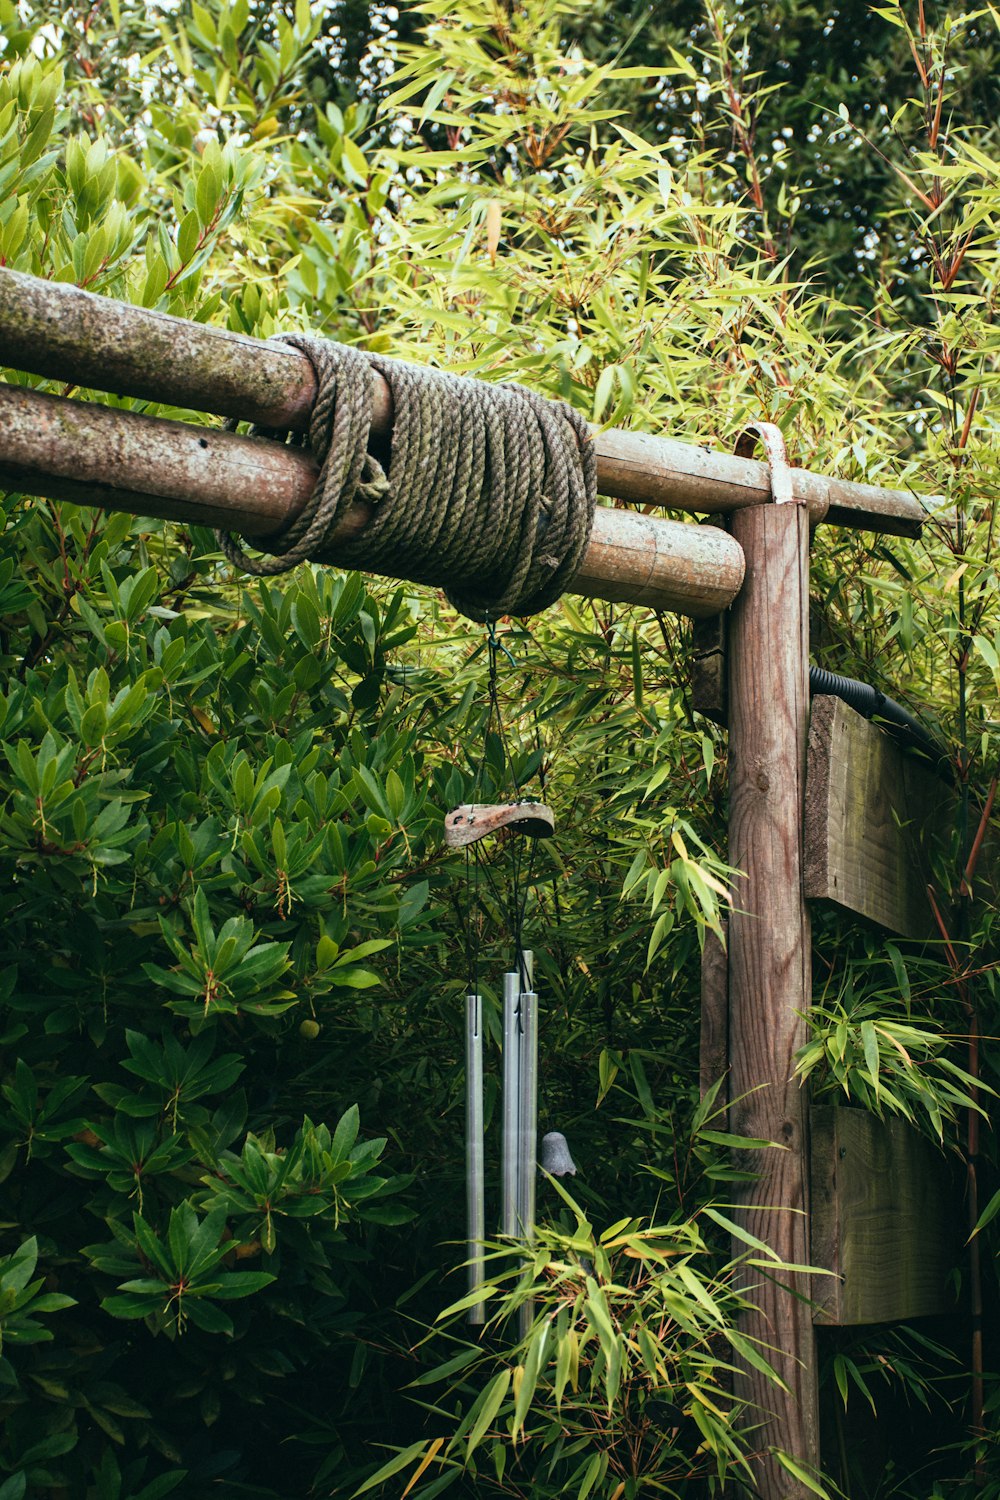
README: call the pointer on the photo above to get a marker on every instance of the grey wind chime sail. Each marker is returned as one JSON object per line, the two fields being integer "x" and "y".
{"x": 554, "y": 1156}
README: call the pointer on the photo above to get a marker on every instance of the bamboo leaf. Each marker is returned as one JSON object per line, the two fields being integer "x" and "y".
{"x": 799, "y": 1473}
{"x": 393, "y": 1466}
{"x": 487, "y": 1406}
{"x": 432, "y": 1452}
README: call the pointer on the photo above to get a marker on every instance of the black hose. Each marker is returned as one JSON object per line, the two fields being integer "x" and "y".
{"x": 897, "y": 720}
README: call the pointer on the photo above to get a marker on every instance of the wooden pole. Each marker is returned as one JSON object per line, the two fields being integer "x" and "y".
{"x": 97, "y": 455}
{"x": 713, "y": 1048}
{"x": 60, "y": 332}
{"x": 769, "y": 965}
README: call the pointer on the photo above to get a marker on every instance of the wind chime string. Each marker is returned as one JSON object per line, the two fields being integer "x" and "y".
{"x": 511, "y": 899}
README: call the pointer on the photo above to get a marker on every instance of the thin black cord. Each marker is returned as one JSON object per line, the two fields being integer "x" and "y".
{"x": 511, "y": 901}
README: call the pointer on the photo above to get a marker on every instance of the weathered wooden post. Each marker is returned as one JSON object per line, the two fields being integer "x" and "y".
{"x": 769, "y": 953}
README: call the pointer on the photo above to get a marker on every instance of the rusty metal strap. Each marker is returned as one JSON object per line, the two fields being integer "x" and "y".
{"x": 773, "y": 441}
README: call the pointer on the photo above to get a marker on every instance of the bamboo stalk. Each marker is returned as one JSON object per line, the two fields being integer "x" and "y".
{"x": 60, "y": 332}
{"x": 122, "y": 460}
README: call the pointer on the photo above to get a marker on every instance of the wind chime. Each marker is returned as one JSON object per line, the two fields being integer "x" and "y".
{"x": 517, "y": 825}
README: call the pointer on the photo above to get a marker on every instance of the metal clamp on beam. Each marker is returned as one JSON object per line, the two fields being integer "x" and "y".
{"x": 773, "y": 441}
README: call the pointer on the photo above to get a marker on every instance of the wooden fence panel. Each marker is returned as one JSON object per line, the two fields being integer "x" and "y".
{"x": 886, "y": 1220}
{"x": 873, "y": 814}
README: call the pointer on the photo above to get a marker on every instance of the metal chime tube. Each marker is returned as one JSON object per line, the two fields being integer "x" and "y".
{"x": 520, "y": 1108}
{"x": 510, "y": 1151}
{"x": 528, "y": 1112}
{"x": 528, "y": 1102}
{"x": 475, "y": 1177}
{"x": 528, "y": 1134}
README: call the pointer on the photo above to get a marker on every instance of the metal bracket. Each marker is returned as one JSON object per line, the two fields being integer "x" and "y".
{"x": 773, "y": 440}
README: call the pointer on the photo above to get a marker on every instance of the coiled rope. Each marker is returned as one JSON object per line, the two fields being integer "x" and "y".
{"x": 490, "y": 491}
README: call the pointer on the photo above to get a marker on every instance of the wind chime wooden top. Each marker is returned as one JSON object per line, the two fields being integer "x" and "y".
{"x": 472, "y": 821}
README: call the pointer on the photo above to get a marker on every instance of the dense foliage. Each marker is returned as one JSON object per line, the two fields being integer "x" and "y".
{"x": 233, "y": 948}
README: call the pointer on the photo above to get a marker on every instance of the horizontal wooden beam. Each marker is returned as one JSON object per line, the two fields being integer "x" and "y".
{"x": 873, "y": 817}
{"x": 886, "y": 1220}
{"x": 122, "y": 460}
{"x": 58, "y": 331}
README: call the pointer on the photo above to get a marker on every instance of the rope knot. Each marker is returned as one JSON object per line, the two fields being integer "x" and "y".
{"x": 374, "y": 483}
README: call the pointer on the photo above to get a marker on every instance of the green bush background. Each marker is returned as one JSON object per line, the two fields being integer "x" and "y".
{"x": 221, "y": 804}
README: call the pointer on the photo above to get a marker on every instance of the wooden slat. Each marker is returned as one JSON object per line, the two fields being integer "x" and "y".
{"x": 873, "y": 816}
{"x": 708, "y": 668}
{"x": 886, "y": 1220}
